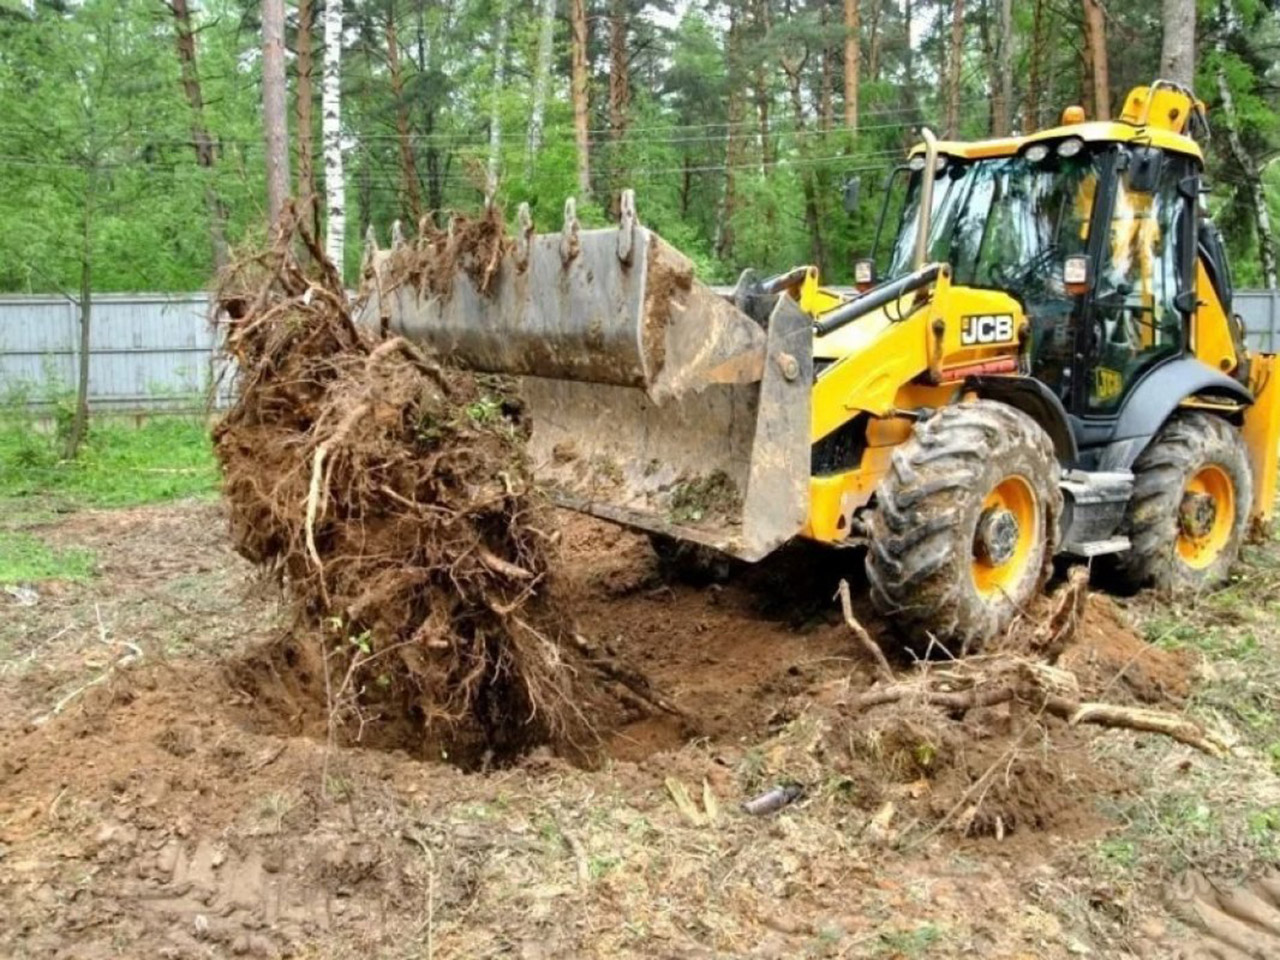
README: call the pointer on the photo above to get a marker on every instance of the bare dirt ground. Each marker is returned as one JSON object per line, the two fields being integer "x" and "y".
{"x": 150, "y": 806}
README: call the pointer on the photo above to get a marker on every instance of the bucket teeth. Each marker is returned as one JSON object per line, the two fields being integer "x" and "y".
{"x": 368, "y": 258}
{"x": 569, "y": 246}
{"x": 626, "y": 225}
{"x": 524, "y": 235}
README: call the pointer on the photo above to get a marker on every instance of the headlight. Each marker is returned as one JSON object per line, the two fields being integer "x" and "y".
{"x": 1037, "y": 152}
{"x": 916, "y": 162}
{"x": 1070, "y": 147}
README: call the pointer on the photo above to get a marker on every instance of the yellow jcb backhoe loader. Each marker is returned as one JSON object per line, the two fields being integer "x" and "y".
{"x": 1048, "y": 365}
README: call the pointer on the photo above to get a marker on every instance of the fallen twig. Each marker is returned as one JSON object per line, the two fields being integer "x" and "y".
{"x": 883, "y": 669}
{"x": 133, "y": 656}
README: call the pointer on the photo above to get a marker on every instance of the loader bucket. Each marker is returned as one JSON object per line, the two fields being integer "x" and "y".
{"x": 654, "y": 402}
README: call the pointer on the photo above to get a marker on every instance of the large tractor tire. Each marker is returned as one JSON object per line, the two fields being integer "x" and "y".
{"x": 965, "y": 526}
{"x": 1192, "y": 493}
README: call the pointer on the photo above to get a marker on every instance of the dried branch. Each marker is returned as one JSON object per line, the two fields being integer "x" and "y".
{"x": 883, "y": 670}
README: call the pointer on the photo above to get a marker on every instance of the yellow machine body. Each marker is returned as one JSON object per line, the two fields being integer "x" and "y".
{"x": 909, "y": 355}
{"x": 659, "y": 404}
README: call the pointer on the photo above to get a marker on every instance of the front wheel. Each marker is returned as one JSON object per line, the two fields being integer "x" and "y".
{"x": 965, "y": 525}
{"x": 1187, "y": 518}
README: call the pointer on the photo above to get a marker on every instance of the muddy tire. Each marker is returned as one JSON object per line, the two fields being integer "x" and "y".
{"x": 692, "y": 563}
{"x": 1189, "y": 513}
{"x": 965, "y": 526}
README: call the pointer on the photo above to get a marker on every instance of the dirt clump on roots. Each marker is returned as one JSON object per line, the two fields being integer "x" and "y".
{"x": 430, "y": 263}
{"x": 392, "y": 500}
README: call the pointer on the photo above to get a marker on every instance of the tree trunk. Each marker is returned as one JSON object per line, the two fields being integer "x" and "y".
{"x": 812, "y": 216}
{"x": 908, "y": 92}
{"x": 954, "y": 64}
{"x": 826, "y": 75}
{"x": 80, "y": 419}
{"x": 578, "y": 92}
{"x": 760, "y": 83}
{"x": 495, "y": 106}
{"x": 1178, "y": 46}
{"x": 541, "y": 80}
{"x": 331, "y": 122}
{"x": 408, "y": 164}
{"x": 619, "y": 81}
{"x": 852, "y": 57}
{"x": 875, "y": 33}
{"x": 304, "y": 97}
{"x": 733, "y": 139}
{"x": 1035, "y": 55}
{"x": 1002, "y": 89}
{"x": 364, "y": 195}
{"x": 201, "y": 141}
{"x": 1252, "y": 182}
{"x": 1095, "y": 32}
{"x": 274, "y": 109}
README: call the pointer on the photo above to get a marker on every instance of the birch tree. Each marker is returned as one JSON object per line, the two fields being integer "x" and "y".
{"x": 495, "y": 106}
{"x": 1251, "y": 182}
{"x": 1178, "y": 44}
{"x": 331, "y": 107}
{"x": 541, "y": 79}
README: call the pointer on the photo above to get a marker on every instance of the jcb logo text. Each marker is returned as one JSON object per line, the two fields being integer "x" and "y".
{"x": 987, "y": 328}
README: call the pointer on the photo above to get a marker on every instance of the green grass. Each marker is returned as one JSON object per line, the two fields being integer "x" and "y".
{"x": 26, "y": 559}
{"x": 120, "y": 465}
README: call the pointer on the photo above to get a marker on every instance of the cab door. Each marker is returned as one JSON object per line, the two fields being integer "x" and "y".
{"x": 1144, "y": 280}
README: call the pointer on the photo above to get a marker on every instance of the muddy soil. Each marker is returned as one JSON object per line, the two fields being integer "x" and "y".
{"x": 164, "y": 811}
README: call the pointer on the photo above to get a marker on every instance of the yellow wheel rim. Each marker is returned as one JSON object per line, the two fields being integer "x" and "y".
{"x": 1206, "y": 516}
{"x": 1012, "y": 509}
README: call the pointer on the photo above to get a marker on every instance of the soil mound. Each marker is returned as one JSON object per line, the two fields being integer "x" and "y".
{"x": 392, "y": 501}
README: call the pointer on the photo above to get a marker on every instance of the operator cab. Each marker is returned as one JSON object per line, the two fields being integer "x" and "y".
{"x": 1094, "y": 230}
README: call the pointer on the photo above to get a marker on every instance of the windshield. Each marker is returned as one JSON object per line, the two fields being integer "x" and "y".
{"x": 1003, "y": 223}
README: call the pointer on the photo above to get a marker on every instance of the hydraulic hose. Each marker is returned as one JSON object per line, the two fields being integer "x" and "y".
{"x": 876, "y": 298}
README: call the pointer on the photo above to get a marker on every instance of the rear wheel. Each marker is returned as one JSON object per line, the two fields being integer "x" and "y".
{"x": 965, "y": 525}
{"x": 1186, "y": 520}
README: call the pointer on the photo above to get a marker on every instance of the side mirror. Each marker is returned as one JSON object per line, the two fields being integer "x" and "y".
{"x": 864, "y": 274}
{"x": 852, "y": 191}
{"x": 1075, "y": 275}
{"x": 1144, "y": 170}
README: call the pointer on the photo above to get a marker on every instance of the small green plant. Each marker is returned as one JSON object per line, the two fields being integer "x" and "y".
{"x": 910, "y": 943}
{"x": 602, "y": 864}
{"x": 484, "y": 410}
{"x": 1118, "y": 851}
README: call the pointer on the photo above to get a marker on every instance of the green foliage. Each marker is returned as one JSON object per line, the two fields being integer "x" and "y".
{"x": 736, "y": 150}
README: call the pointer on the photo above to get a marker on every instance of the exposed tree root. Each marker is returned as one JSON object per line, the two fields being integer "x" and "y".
{"x": 393, "y": 501}
{"x": 1003, "y": 678}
